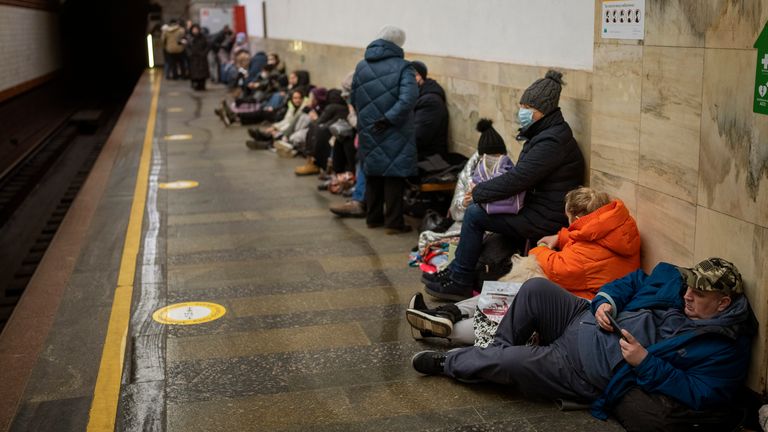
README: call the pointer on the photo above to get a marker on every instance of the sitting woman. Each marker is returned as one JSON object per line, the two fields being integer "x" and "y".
{"x": 549, "y": 165}
{"x": 318, "y": 147}
{"x": 601, "y": 244}
{"x": 293, "y": 139}
{"x": 264, "y": 137}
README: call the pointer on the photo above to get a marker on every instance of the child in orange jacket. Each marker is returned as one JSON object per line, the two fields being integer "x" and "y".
{"x": 601, "y": 244}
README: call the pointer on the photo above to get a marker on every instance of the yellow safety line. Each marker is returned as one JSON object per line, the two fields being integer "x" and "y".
{"x": 107, "y": 392}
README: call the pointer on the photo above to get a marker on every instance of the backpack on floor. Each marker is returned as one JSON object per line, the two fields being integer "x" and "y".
{"x": 495, "y": 259}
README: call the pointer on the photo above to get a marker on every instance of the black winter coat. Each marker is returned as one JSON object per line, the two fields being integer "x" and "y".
{"x": 431, "y": 120}
{"x": 550, "y": 164}
{"x": 197, "y": 50}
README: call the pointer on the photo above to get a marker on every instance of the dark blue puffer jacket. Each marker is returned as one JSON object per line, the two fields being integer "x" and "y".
{"x": 702, "y": 368}
{"x": 384, "y": 86}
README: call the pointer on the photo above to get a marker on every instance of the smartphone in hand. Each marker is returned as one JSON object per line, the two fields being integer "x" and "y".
{"x": 615, "y": 325}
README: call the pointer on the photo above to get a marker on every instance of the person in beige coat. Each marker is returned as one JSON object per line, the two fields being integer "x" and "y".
{"x": 174, "y": 42}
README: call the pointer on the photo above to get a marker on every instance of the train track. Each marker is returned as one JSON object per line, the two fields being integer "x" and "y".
{"x": 37, "y": 193}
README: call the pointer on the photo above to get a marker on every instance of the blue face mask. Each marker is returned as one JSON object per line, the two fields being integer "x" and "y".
{"x": 525, "y": 117}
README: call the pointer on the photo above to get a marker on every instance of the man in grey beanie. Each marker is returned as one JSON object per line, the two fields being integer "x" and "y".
{"x": 384, "y": 93}
{"x": 550, "y": 164}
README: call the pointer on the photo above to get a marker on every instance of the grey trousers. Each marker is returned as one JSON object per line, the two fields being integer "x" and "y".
{"x": 551, "y": 369}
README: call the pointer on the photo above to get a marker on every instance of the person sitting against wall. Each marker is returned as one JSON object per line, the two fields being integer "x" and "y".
{"x": 318, "y": 147}
{"x": 263, "y": 138}
{"x": 344, "y": 153}
{"x": 601, "y": 244}
{"x": 549, "y": 165}
{"x": 682, "y": 334}
{"x": 293, "y": 141}
{"x": 297, "y": 80}
{"x": 430, "y": 115}
{"x": 278, "y": 65}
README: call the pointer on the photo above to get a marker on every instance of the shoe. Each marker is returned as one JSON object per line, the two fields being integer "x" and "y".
{"x": 426, "y": 322}
{"x": 308, "y": 168}
{"x": 417, "y": 303}
{"x": 429, "y": 362}
{"x": 442, "y": 275}
{"x": 229, "y": 115}
{"x": 448, "y": 290}
{"x": 257, "y": 144}
{"x": 284, "y": 149}
{"x": 373, "y": 225}
{"x": 258, "y": 134}
{"x": 400, "y": 230}
{"x": 323, "y": 186}
{"x": 220, "y": 112}
{"x": 350, "y": 208}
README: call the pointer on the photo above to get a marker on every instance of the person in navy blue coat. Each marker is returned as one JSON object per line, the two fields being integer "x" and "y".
{"x": 384, "y": 93}
{"x": 684, "y": 332}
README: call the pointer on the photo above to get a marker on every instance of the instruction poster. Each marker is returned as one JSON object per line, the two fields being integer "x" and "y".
{"x": 623, "y": 19}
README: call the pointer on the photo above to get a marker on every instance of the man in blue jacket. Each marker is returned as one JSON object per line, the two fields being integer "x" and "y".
{"x": 685, "y": 333}
{"x": 384, "y": 93}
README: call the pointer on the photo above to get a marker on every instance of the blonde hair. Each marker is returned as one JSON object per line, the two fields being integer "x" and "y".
{"x": 583, "y": 201}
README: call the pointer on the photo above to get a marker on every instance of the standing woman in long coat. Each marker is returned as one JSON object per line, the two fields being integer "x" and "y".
{"x": 197, "y": 50}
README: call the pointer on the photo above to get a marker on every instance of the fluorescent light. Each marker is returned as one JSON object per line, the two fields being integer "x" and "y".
{"x": 150, "y": 52}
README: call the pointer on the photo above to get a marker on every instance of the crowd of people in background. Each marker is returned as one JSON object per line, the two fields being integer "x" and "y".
{"x": 684, "y": 333}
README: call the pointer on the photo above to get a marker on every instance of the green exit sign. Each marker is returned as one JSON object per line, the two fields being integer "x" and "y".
{"x": 761, "y": 75}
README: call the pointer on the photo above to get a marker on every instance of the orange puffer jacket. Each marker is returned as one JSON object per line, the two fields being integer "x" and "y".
{"x": 594, "y": 250}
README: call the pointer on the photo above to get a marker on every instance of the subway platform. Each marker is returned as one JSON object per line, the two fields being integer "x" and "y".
{"x": 309, "y": 332}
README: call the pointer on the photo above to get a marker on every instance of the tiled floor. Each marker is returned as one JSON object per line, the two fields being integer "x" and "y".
{"x": 314, "y": 337}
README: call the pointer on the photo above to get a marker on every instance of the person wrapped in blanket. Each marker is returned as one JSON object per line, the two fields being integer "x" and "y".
{"x": 602, "y": 243}
{"x": 684, "y": 334}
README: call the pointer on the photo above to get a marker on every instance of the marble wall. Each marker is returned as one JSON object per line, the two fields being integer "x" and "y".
{"x": 674, "y": 135}
{"x": 666, "y": 124}
{"x": 474, "y": 89}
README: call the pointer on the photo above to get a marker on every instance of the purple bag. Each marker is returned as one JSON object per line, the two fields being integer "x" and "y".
{"x": 487, "y": 169}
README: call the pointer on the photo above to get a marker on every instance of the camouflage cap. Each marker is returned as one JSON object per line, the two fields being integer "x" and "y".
{"x": 713, "y": 274}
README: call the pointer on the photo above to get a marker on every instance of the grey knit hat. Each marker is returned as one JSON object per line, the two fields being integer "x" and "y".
{"x": 393, "y": 34}
{"x": 544, "y": 93}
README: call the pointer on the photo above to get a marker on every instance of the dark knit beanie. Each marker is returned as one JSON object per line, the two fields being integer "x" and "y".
{"x": 420, "y": 67}
{"x": 490, "y": 141}
{"x": 544, "y": 93}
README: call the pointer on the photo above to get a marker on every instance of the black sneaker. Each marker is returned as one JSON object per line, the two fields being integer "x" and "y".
{"x": 428, "y": 362}
{"x": 417, "y": 302}
{"x": 448, "y": 290}
{"x": 440, "y": 276}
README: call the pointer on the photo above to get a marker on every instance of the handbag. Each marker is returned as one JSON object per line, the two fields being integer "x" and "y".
{"x": 341, "y": 129}
{"x": 487, "y": 170}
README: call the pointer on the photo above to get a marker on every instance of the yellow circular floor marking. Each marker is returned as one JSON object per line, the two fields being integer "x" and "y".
{"x": 189, "y": 313}
{"x": 175, "y": 109}
{"x": 179, "y": 184}
{"x": 177, "y": 137}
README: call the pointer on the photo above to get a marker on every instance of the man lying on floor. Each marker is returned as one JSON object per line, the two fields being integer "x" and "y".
{"x": 685, "y": 333}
